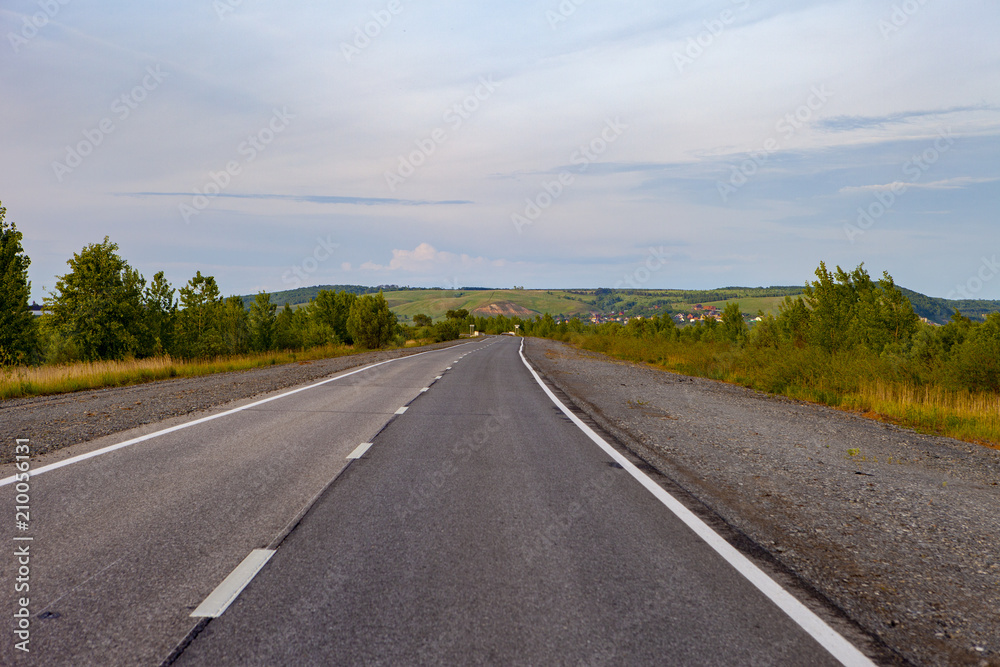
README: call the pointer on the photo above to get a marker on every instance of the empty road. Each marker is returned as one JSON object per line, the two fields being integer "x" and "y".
{"x": 475, "y": 522}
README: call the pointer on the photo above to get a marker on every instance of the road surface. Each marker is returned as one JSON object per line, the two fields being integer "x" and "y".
{"x": 481, "y": 525}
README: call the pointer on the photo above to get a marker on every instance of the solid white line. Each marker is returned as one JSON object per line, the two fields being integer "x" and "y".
{"x": 401, "y": 410}
{"x": 230, "y": 588}
{"x": 360, "y": 450}
{"x": 827, "y": 637}
{"x": 110, "y": 448}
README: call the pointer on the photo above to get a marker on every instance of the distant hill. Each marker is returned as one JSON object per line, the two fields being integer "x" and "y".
{"x": 940, "y": 310}
{"x": 483, "y": 301}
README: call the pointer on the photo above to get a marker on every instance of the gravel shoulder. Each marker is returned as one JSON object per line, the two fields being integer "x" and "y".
{"x": 903, "y": 536}
{"x": 55, "y": 422}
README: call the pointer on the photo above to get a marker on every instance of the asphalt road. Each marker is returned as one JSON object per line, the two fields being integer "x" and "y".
{"x": 481, "y": 526}
{"x": 484, "y": 527}
{"x": 127, "y": 544}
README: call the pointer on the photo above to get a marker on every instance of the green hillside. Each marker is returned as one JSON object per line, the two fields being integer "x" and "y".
{"x": 436, "y": 303}
{"x": 407, "y": 302}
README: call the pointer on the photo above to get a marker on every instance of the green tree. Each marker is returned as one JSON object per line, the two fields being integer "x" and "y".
{"x": 331, "y": 310}
{"x": 793, "y": 320}
{"x": 461, "y": 314}
{"x": 289, "y": 328}
{"x": 18, "y": 329}
{"x": 734, "y": 327}
{"x": 234, "y": 326}
{"x": 98, "y": 305}
{"x": 262, "y": 315}
{"x": 977, "y": 358}
{"x": 421, "y": 320}
{"x": 831, "y": 299}
{"x": 161, "y": 315}
{"x": 199, "y": 321}
{"x": 371, "y": 324}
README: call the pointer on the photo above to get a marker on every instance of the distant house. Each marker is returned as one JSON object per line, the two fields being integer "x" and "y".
{"x": 35, "y": 309}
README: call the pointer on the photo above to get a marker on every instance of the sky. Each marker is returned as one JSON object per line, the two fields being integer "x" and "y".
{"x": 537, "y": 143}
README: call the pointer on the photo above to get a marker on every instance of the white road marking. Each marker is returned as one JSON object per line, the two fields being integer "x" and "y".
{"x": 401, "y": 410}
{"x": 6, "y": 481}
{"x": 230, "y": 588}
{"x": 360, "y": 450}
{"x": 827, "y": 637}
{"x": 425, "y": 389}
{"x": 439, "y": 377}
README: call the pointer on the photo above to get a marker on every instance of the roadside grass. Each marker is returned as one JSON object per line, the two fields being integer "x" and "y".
{"x": 850, "y": 381}
{"x": 21, "y": 382}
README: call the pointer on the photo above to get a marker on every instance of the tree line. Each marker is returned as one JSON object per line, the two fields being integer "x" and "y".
{"x": 845, "y": 325}
{"x": 104, "y": 309}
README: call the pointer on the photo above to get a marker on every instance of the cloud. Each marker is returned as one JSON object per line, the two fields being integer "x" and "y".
{"x": 312, "y": 199}
{"x": 426, "y": 258}
{"x": 848, "y": 123}
{"x": 958, "y": 183}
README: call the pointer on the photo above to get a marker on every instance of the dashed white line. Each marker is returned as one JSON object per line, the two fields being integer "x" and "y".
{"x": 401, "y": 410}
{"x": 6, "y": 481}
{"x": 359, "y": 451}
{"x": 827, "y": 637}
{"x": 230, "y": 588}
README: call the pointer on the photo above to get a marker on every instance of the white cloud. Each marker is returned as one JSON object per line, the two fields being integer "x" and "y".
{"x": 425, "y": 258}
{"x": 957, "y": 183}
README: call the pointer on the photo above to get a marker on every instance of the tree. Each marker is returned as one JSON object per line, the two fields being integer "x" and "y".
{"x": 199, "y": 319}
{"x": 734, "y": 327}
{"x": 831, "y": 300}
{"x": 461, "y": 314}
{"x": 331, "y": 310}
{"x": 421, "y": 320}
{"x": 370, "y": 323}
{"x": 18, "y": 330}
{"x": 288, "y": 328}
{"x": 161, "y": 314}
{"x": 234, "y": 326}
{"x": 262, "y": 315}
{"x": 98, "y": 305}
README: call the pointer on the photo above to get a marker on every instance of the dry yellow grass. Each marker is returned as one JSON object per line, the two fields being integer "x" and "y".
{"x": 18, "y": 382}
{"x": 957, "y": 414}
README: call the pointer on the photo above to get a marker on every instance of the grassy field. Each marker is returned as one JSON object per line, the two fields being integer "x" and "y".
{"x": 435, "y": 303}
{"x": 751, "y": 305}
